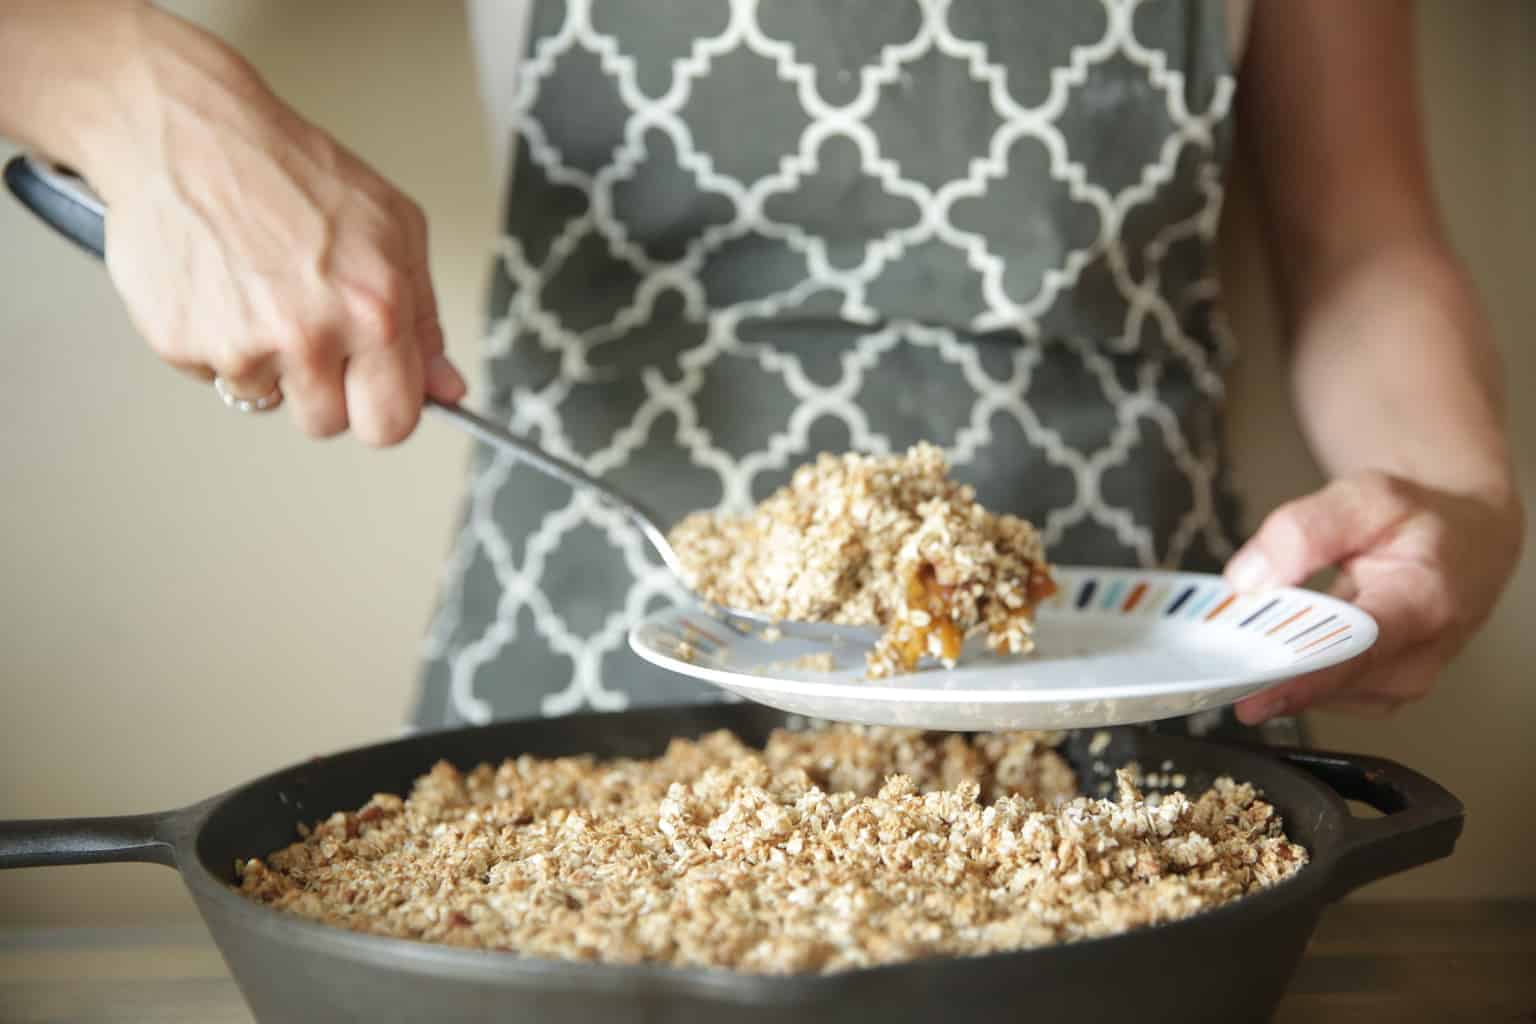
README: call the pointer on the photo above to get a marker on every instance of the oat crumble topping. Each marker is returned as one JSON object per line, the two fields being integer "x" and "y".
{"x": 876, "y": 540}
{"x": 825, "y": 851}
{"x": 818, "y": 662}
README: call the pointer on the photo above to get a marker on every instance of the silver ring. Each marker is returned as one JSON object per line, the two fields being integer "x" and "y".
{"x": 235, "y": 402}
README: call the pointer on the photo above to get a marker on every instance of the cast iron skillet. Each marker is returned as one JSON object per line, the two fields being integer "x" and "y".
{"x": 1230, "y": 964}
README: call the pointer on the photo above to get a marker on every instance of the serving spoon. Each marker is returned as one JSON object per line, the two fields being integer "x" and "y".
{"x": 68, "y": 205}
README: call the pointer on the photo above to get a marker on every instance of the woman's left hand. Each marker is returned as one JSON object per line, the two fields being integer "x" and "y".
{"x": 1427, "y": 564}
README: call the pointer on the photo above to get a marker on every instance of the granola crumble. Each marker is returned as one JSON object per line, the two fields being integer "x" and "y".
{"x": 825, "y": 851}
{"x": 876, "y": 540}
{"x": 818, "y": 662}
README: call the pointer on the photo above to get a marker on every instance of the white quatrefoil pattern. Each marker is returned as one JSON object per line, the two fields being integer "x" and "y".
{"x": 742, "y": 232}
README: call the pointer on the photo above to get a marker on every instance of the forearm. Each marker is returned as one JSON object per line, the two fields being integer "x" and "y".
{"x": 1396, "y": 378}
{"x": 63, "y": 66}
{"x": 114, "y": 87}
{"x": 1394, "y": 369}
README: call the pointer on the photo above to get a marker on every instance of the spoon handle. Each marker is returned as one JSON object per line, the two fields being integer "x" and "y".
{"x": 63, "y": 201}
{"x": 550, "y": 465}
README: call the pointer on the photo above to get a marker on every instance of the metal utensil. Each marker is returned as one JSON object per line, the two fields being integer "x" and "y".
{"x": 525, "y": 451}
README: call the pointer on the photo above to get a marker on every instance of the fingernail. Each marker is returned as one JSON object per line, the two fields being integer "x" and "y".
{"x": 1248, "y": 571}
{"x": 1260, "y": 709}
{"x": 443, "y": 379}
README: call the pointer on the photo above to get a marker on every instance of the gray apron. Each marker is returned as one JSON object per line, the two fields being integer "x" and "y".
{"x": 739, "y": 234}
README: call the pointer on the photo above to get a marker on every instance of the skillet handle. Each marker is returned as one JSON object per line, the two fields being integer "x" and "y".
{"x": 61, "y": 199}
{"x": 51, "y": 841}
{"x": 1420, "y": 821}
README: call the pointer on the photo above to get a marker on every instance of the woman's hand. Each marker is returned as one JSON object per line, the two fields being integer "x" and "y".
{"x": 1427, "y": 564}
{"x": 245, "y": 241}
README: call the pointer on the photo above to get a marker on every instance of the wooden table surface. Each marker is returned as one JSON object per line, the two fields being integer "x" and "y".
{"x": 1441, "y": 962}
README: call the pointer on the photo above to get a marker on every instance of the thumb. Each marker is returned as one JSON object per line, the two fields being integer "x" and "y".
{"x": 1324, "y": 528}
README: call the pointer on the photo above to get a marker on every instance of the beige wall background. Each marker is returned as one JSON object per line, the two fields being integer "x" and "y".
{"x": 190, "y": 597}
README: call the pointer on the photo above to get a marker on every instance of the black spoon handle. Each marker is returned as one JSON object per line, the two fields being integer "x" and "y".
{"x": 61, "y": 199}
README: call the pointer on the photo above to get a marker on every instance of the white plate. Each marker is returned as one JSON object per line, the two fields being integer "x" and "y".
{"x": 1113, "y": 646}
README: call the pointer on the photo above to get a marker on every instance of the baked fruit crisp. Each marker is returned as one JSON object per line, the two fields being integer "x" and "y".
{"x": 876, "y": 540}
{"x": 827, "y": 850}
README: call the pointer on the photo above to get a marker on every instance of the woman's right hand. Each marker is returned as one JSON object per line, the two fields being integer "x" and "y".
{"x": 249, "y": 244}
